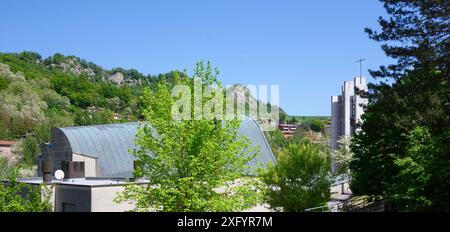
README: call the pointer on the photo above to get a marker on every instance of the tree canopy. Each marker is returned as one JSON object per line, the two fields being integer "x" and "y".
{"x": 21, "y": 197}
{"x": 402, "y": 151}
{"x": 300, "y": 179}
{"x": 195, "y": 164}
{"x": 38, "y": 94}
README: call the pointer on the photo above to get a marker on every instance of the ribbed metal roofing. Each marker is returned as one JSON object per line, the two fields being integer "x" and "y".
{"x": 251, "y": 129}
{"x": 111, "y": 143}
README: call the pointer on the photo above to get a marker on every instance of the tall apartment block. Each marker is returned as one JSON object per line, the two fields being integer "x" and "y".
{"x": 346, "y": 110}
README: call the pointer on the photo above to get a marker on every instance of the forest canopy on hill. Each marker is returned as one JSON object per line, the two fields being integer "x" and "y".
{"x": 59, "y": 91}
{"x": 38, "y": 94}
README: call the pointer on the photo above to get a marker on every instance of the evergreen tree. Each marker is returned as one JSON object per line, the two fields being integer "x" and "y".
{"x": 402, "y": 151}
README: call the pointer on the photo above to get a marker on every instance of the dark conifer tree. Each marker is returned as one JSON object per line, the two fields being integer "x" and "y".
{"x": 403, "y": 149}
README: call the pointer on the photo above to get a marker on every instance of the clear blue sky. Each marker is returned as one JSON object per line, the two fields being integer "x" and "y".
{"x": 307, "y": 47}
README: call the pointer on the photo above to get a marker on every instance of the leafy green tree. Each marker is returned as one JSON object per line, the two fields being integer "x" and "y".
{"x": 343, "y": 156}
{"x": 21, "y": 109}
{"x": 30, "y": 56}
{"x": 103, "y": 117}
{"x": 283, "y": 116}
{"x": 3, "y": 83}
{"x": 54, "y": 118}
{"x": 300, "y": 179}
{"x": 5, "y": 168}
{"x": 276, "y": 140}
{"x": 402, "y": 152}
{"x": 21, "y": 197}
{"x": 302, "y": 132}
{"x": 54, "y": 100}
{"x": 317, "y": 125}
{"x": 417, "y": 171}
{"x": 294, "y": 120}
{"x": 192, "y": 165}
{"x": 84, "y": 117}
{"x": 8, "y": 75}
{"x": 30, "y": 149}
{"x": 114, "y": 104}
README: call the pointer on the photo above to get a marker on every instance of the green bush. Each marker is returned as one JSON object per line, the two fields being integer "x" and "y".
{"x": 317, "y": 125}
{"x": 300, "y": 179}
{"x": 5, "y": 168}
{"x": 21, "y": 197}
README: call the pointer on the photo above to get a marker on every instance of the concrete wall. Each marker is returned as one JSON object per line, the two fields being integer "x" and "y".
{"x": 336, "y": 120}
{"x": 72, "y": 198}
{"x": 90, "y": 164}
{"x": 347, "y": 102}
{"x": 77, "y": 198}
{"x": 103, "y": 199}
{"x": 346, "y": 111}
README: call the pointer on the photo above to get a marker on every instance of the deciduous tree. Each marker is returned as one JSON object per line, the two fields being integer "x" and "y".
{"x": 300, "y": 179}
{"x": 191, "y": 165}
{"x": 20, "y": 197}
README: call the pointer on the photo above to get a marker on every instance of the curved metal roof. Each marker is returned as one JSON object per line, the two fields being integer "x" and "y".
{"x": 111, "y": 143}
{"x": 251, "y": 129}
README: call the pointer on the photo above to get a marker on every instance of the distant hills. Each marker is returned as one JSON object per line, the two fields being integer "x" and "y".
{"x": 40, "y": 93}
{"x": 85, "y": 93}
{"x": 78, "y": 67}
{"x": 64, "y": 90}
{"x": 58, "y": 91}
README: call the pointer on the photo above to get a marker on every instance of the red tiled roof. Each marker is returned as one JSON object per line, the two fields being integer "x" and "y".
{"x": 7, "y": 143}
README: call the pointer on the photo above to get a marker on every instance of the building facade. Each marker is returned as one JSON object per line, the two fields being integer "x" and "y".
{"x": 101, "y": 153}
{"x": 288, "y": 130}
{"x": 346, "y": 110}
{"x": 82, "y": 194}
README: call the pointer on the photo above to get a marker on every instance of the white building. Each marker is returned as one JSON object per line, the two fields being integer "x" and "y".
{"x": 89, "y": 194}
{"x": 346, "y": 110}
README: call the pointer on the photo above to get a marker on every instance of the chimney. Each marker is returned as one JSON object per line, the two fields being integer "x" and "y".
{"x": 47, "y": 169}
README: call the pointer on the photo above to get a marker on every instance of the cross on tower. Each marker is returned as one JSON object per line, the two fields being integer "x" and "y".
{"x": 360, "y": 61}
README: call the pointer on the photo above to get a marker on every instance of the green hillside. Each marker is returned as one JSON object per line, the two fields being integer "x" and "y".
{"x": 38, "y": 94}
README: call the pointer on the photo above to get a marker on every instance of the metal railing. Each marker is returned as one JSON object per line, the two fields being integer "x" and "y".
{"x": 356, "y": 204}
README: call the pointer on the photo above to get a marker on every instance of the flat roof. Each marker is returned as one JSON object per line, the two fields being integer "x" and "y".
{"x": 88, "y": 182}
